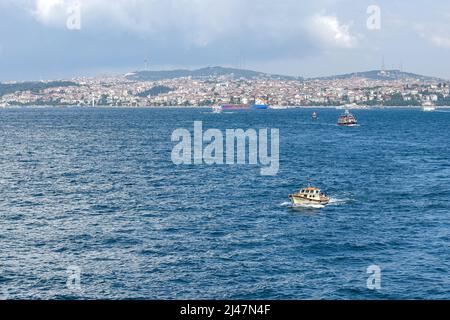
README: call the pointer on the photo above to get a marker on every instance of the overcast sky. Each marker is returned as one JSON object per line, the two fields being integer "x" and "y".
{"x": 40, "y": 39}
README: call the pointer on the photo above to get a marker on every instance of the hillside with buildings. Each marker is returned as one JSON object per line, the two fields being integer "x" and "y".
{"x": 211, "y": 86}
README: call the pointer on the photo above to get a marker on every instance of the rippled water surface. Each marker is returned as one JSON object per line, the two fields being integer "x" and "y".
{"x": 96, "y": 188}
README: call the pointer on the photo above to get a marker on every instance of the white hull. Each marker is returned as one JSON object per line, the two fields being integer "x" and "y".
{"x": 278, "y": 107}
{"x": 217, "y": 109}
{"x": 304, "y": 201}
{"x": 428, "y": 107}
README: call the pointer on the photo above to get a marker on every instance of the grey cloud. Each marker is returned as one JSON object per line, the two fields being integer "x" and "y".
{"x": 120, "y": 34}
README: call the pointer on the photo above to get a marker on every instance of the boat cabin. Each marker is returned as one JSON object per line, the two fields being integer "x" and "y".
{"x": 311, "y": 193}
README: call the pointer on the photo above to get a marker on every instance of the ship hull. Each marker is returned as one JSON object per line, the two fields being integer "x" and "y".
{"x": 260, "y": 107}
{"x": 244, "y": 107}
{"x": 299, "y": 200}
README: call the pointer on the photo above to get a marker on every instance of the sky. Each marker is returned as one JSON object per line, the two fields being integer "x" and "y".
{"x": 62, "y": 39}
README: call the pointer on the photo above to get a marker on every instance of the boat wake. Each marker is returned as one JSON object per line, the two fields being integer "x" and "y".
{"x": 219, "y": 113}
{"x": 333, "y": 202}
{"x": 337, "y": 201}
{"x": 302, "y": 206}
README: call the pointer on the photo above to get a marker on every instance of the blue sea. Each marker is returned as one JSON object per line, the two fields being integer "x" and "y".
{"x": 96, "y": 189}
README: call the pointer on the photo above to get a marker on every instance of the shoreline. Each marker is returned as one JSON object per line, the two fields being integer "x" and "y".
{"x": 209, "y": 107}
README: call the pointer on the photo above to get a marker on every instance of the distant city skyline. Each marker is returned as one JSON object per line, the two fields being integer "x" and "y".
{"x": 62, "y": 39}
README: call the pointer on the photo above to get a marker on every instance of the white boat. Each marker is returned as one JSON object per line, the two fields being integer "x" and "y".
{"x": 308, "y": 196}
{"x": 428, "y": 106}
{"x": 347, "y": 106}
{"x": 277, "y": 107}
{"x": 353, "y": 106}
{"x": 217, "y": 109}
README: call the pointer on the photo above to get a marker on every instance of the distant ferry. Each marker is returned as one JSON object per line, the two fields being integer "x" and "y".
{"x": 278, "y": 107}
{"x": 217, "y": 109}
{"x": 352, "y": 106}
{"x": 347, "y": 119}
{"x": 259, "y": 104}
{"x": 428, "y": 106}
